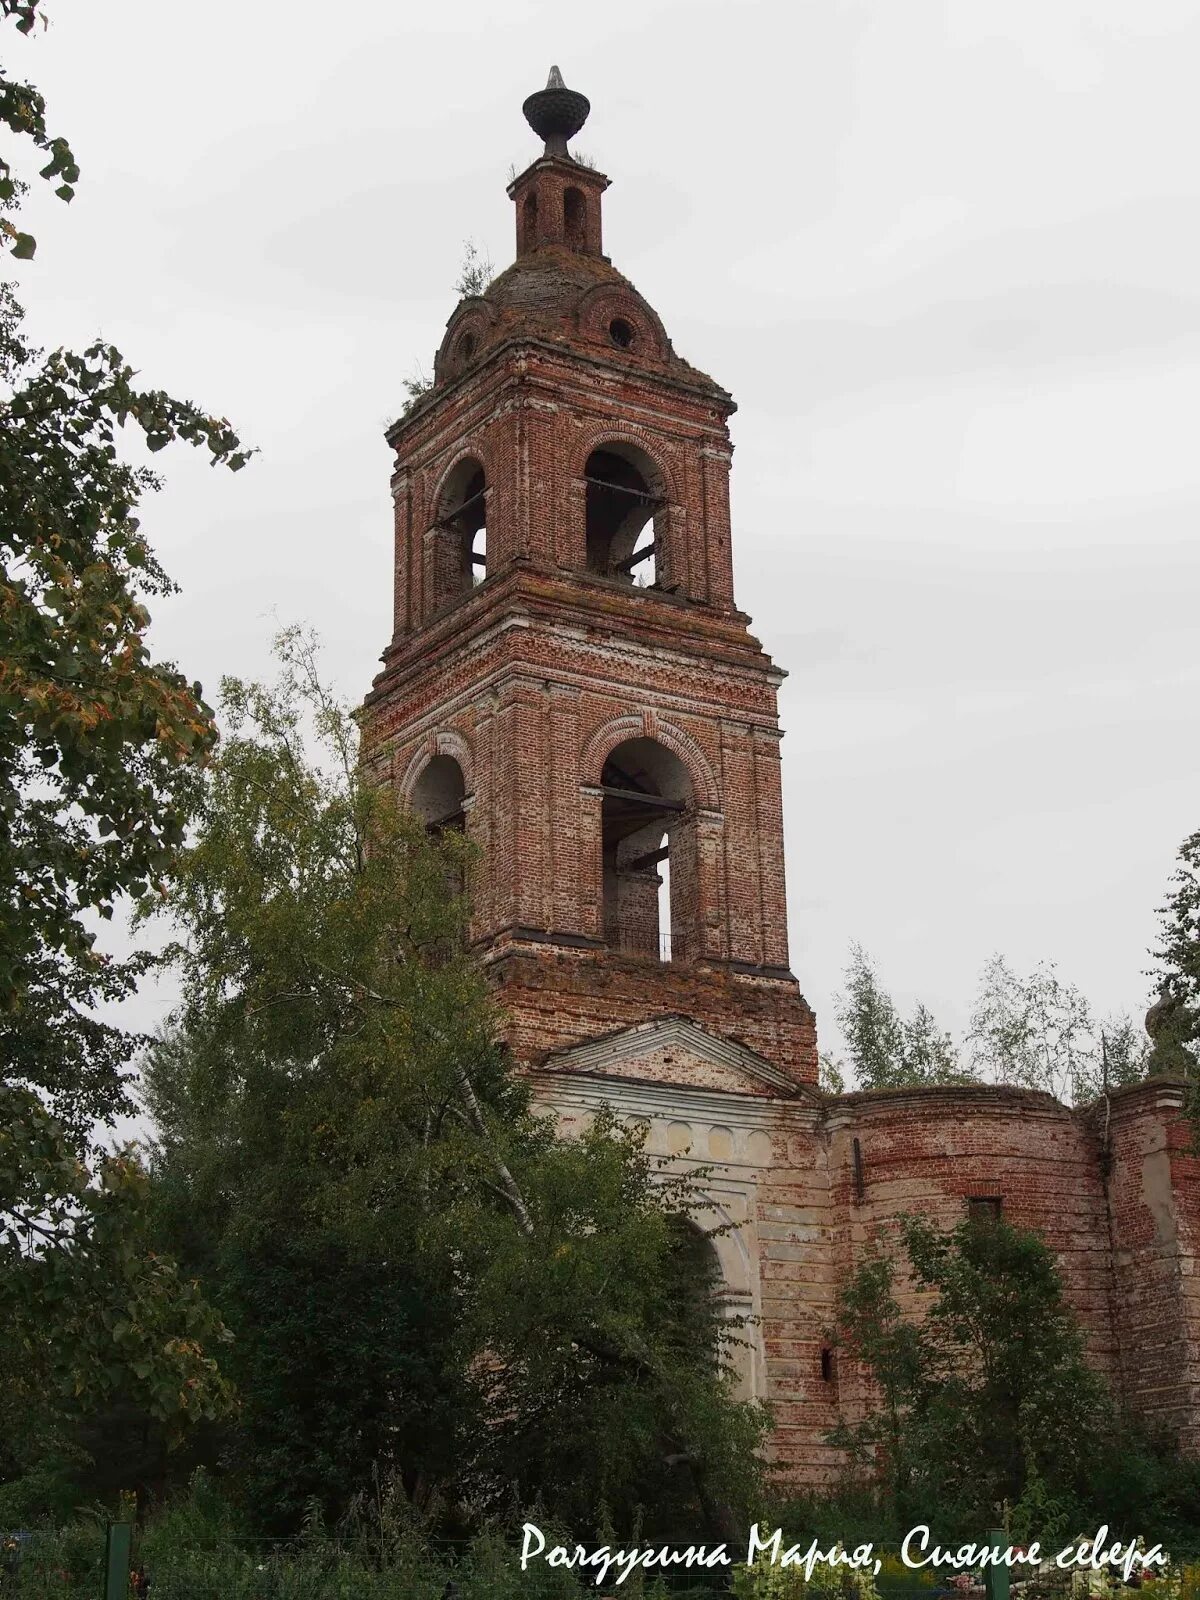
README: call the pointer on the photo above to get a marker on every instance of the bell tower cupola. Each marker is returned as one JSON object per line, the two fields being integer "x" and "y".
{"x": 569, "y": 678}
{"x": 557, "y": 198}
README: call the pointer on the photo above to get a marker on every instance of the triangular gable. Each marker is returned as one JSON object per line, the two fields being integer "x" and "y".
{"x": 674, "y": 1050}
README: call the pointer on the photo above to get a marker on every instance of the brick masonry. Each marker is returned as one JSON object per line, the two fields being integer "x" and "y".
{"x": 527, "y": 683}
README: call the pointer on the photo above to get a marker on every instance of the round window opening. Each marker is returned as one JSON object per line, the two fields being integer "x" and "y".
{"x": 621, "y": 333}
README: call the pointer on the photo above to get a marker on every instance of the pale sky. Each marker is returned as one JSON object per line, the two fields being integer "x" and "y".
{"x": 946, "y": 256}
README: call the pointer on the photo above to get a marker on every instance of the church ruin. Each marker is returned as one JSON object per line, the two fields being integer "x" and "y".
{"x": 570, "y": 680}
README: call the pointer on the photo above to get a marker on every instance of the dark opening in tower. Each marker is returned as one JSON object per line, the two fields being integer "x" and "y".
{"x": 457, "y": 541}
{"x": 649, "y": 852}
{"x": 574, "y": 219}
{"x": 438, "y": 795}
{"x": 529, "y": 224}
{"x": 438, "y": 798}
{"x": 625, "y": 515}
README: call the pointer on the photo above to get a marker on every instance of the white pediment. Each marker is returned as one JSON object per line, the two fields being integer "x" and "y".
{"x": 674, "y": 1050}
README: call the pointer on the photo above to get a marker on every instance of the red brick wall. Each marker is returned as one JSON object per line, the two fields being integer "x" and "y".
{"x": 922, "y": 1152}
{"x": 555, "y": 998}
{"x": 1154, "y": 1198}
{"x": 1123, "y": 1229}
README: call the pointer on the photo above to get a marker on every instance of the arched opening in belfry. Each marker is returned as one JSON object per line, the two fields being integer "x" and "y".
{"x": 439, "y": 800}
{"x": 529, "y": 223}
{"x": 574, "y": 219}
{"x": 648, "y": 834}
{"x": 625, "y": 515}
{"x": 458, "y": 538}
{"x": 438, "y": 796}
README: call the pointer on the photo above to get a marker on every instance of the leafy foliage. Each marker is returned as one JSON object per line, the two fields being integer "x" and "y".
{"x": 99, "y": 750}
{"x": 831, "y": 1077}
{"x": 1035, "y": 1031}
{"x": 198, "y": 1545}
{"x": 1038, "y": 1032}
{"x": 88, "y": 1308}
{"x": 1175, "y": 1018}
{"x": 887, "y": 1051}
{"x": 99, "y": 745}
{"x": 425, "y": 1278}
{"x": 476, "y": 272}
{"x": 983, "y": 1396}
{"x": 23, "y": 112}
{"x": 416, "y": 387}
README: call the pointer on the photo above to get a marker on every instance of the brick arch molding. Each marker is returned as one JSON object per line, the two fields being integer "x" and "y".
{"x": 645, "y": 725}
{"x": 444, "y": 743}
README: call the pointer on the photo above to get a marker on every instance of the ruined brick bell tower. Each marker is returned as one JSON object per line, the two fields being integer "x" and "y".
{"x": 569, "y": 678}
{"x": 570, "y": 681}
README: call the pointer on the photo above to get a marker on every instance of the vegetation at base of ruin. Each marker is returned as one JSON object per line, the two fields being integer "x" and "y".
{"x": 1034, "y": 1031}
{"x": 198, "y": 1544}
{"x": 981, "y": 1405}
{"x": 424, "y": 1279}
{"x": 100, "y": 751}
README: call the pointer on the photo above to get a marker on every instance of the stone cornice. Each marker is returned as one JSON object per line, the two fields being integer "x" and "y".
{"x": 580, "y": 354}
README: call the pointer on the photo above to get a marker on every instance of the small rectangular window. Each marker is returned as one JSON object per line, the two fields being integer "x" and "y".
{"x": 826, "y": 1364}
{"x": 984, "y": 1207}
{"x": 860, "y": 1186}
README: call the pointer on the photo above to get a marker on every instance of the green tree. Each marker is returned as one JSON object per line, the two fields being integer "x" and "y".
{"x": 887, "y": 1051}
{"x": 1174, "y": 1020}
{"x": 99, "y": 744}
{"x": 23, "y": 112}
{"x": 425, "y": 1278}
{"x": 1037, "y": 1031}
{"x": 984, "y": 1394}
{"x": 99, "y": 750}
{"x": 91, "y": 1310}
{"x": 1124, "y": 1051}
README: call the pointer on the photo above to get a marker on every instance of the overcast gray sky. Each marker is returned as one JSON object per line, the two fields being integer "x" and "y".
{"x": 945, "y": 255}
